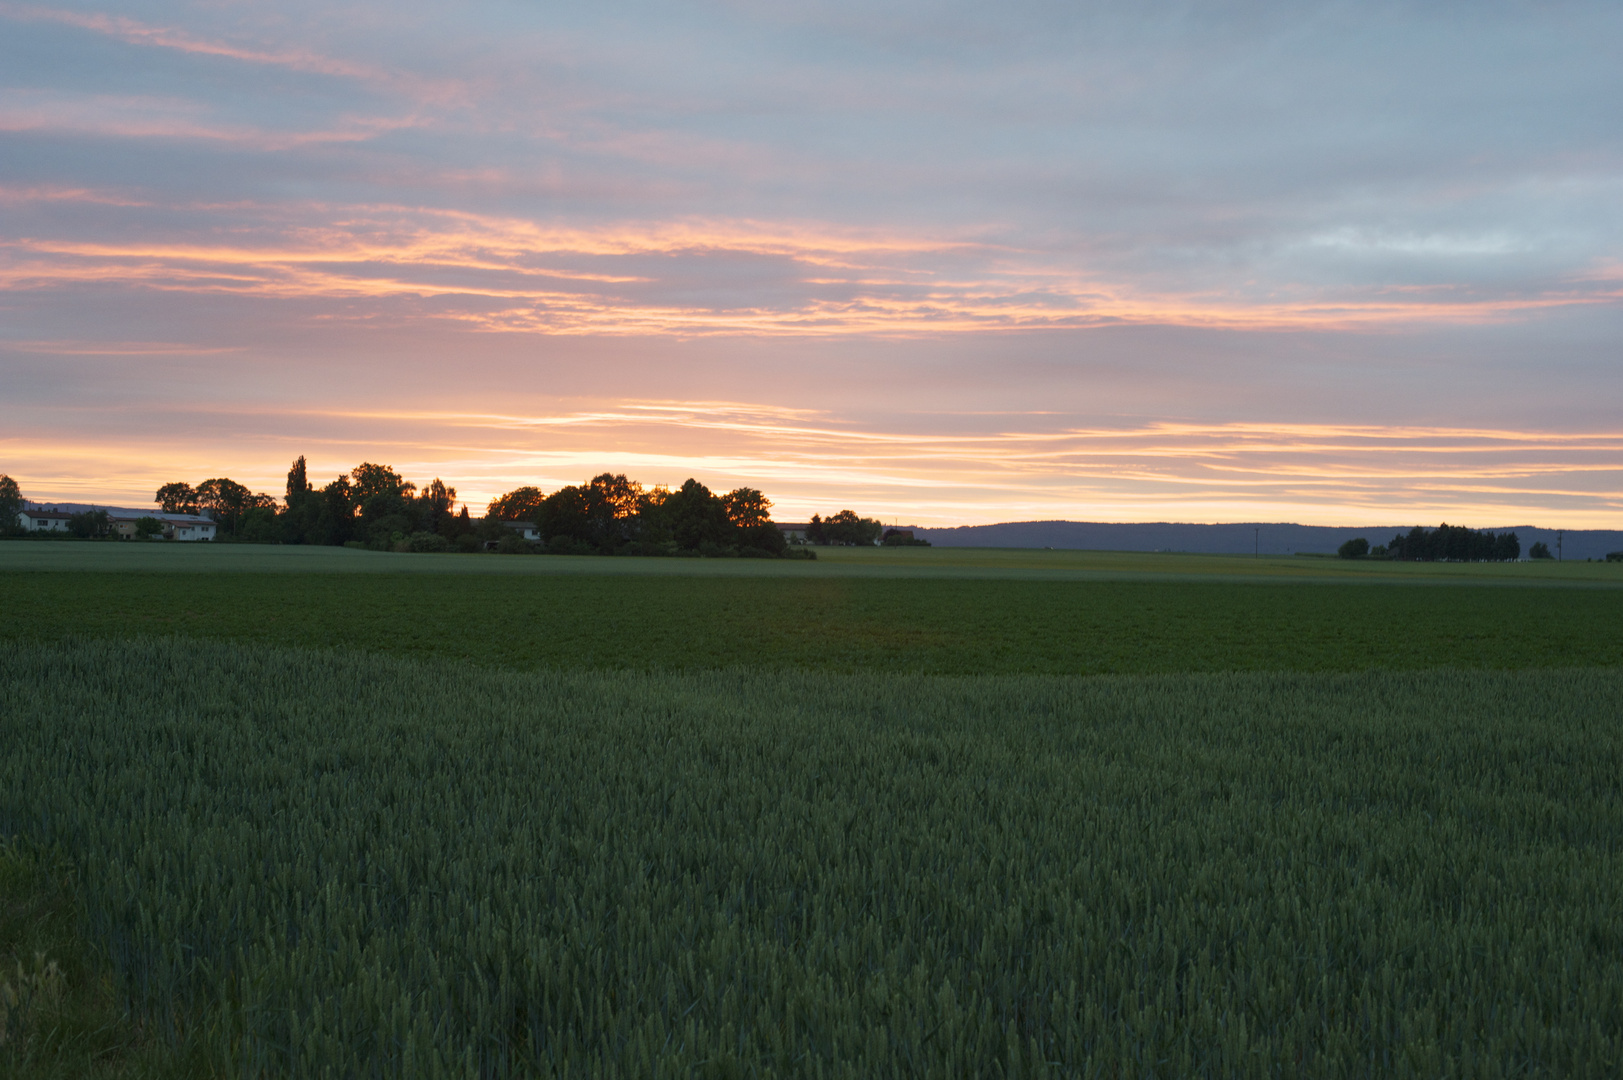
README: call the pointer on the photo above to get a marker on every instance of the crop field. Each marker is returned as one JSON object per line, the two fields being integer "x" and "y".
{"x": 301, "y": 812}
{"x": 941, "y": 625}
{"x": 832, "y": 562}
{"x": 335, "y": 864}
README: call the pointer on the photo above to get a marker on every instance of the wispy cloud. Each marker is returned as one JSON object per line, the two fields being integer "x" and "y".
{"x": 1365, "y": 216}
{"x": 148, "y": 118}
{"x": 135, "y": 32}
{"x": 510, "y": 275}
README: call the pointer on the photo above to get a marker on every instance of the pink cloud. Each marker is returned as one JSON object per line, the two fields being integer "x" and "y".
{"x": 131, "y": 31}
{"x": 509, "y": 275}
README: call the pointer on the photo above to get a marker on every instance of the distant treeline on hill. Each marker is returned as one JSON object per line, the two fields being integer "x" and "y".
{"x": 1240, "y": 538}
{"x": 1452, "y": 543}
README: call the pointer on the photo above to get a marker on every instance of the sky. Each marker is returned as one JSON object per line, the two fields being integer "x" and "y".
{"x": 941, "y": 263}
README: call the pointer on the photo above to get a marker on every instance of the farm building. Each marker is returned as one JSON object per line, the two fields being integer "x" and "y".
{"x": 186, "y": 527}
{"x": 44, "y": 520}
{"x": 794, "y": 532}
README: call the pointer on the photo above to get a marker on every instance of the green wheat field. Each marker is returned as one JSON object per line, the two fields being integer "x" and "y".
{"x": 948, "y": 814}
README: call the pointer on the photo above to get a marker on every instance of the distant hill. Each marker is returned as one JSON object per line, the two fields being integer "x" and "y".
{"x": 1270, "y": 538}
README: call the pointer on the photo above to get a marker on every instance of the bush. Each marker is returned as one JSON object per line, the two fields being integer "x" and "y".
{"x": 513, "y": 544}
{"x": 1614, "y": 556}
{"x": 902, "y": 538}
{"x": 425, "y": 542}
{"x": 1540, "y": 550}
{"x": 1354, "y": 549}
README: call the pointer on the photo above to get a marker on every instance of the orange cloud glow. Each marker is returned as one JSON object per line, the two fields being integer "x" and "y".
{"x": 808, "y": 462}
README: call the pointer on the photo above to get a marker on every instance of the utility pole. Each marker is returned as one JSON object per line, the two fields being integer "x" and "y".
{"x": 1559, "y": 533}
{"x": 1256, "y": 543}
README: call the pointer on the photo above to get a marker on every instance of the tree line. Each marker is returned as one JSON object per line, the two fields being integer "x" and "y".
{"x": 375, "y": 507}
{"x": 1446, "y": 543}
{"x": 611, "y": 514}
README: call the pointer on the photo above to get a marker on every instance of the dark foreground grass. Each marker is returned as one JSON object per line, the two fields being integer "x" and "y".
{"x": 944, "y": 626}
{"x": 349, "y": 865}
{"x": 62, "y": 1008}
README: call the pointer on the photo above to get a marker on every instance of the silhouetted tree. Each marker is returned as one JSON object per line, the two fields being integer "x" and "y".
{"x": 520, "y": 504}
{"x": 299, "y": 522}
{"x": 902, "y": 538}
{"x": 371, "y": 480}
{"x": 695, "y": 518}
{"x": 227, "y": 501}
{"x": 604, "y": 513}
{"x": 1539, "y": 550}
{"x": 382, "y": 500}
{"x": 88, "y": 523}
{"x": 434, "y": 508}
{"x": 11, "y": 504}
{"x": 177, "y": 498}
{"x": 747, "y": 508}
{"x": 1453, "y": 543}
{"x": 847, "y": 528}
{"x": 298, "y": 483}
{"x": 1354, "y": 549}
{"x": 335, "y": 523}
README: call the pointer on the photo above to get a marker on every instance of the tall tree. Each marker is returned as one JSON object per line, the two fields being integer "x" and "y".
{"x": 383, "y": 499}
{"x": 11, "y": 503}
{"x": 520, "y": 504}
{"x": 696, "y": 517}
{"x": 177, "y": 498}
{"x": 621, "y": 495}
{"x": 747, "y": 508}
{"x": 228, "y": 501}
{"x": 373, "y": 480}
{"x": 604, "y": 512}
{"x": 300, "y": 522}
{"x": 434, "y": 507}
{"x": 298, "y": 484}
{"x": 335, "y": 524}
{"x": 846, "y": 527}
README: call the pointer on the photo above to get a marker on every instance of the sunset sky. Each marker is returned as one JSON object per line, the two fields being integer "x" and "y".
{"x": 941, "y": 263}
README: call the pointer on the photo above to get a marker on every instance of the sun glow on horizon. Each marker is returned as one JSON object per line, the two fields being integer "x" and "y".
{"x": 806, "y": 461}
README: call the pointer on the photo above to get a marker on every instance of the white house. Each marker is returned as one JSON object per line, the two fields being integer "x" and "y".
{"x": 526, "y": 529}
{"x": 186, "y": 527}
{"x": 44, "y": 520}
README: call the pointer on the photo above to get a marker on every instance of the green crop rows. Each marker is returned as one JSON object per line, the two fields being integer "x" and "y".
{"x": 335, "y": 864}
{"x": 938, "y": 625}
